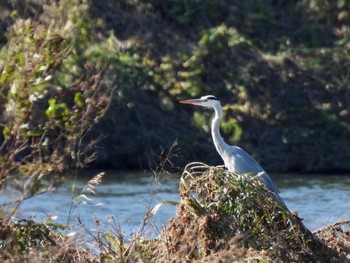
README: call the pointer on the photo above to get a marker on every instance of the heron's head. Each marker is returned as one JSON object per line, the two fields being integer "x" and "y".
{"x": 209, "y": 101}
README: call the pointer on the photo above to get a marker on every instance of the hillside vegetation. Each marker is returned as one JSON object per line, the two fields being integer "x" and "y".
{"x": 280, "y": 69}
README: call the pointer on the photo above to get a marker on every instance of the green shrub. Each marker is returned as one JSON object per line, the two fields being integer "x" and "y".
{"x": 52, "y": 96}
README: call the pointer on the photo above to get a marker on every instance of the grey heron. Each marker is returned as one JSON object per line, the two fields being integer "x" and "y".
{"x": 236, "y": 159}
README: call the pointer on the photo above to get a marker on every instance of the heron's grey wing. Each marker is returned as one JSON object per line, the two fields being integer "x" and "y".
{"x": 241, "y": 162}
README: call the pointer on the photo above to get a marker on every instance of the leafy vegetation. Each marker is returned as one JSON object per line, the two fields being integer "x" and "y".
{"x": 52, "y": 95}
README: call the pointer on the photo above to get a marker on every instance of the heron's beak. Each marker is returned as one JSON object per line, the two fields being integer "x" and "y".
{"x": 192, "y": 101}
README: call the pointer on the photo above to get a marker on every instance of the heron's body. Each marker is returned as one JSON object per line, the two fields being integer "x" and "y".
{"x": 236, "y": 159}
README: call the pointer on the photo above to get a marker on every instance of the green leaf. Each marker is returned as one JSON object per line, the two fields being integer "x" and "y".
{"x": 51, "y": 110}
{"x": 78, "y": 100}
{"x": 169, "y": 202}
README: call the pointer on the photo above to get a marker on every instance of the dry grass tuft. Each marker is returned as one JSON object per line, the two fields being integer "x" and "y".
{"x": 96, "y": 180}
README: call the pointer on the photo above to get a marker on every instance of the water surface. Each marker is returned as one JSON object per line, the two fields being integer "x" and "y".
{"x": 127, "y": 197}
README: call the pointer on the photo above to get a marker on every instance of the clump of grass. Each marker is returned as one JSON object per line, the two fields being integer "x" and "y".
{"x": 31, "y": 241}
{"x": 232, "y": 217}
{"x": 114, "y": 246}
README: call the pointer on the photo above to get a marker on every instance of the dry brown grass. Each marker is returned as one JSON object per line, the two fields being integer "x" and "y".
{"x": 337, "y": 237}
{"x": 223, "y": 217}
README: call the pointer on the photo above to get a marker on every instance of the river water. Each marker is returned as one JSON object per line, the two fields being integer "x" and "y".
{"x": 125, "y": 197}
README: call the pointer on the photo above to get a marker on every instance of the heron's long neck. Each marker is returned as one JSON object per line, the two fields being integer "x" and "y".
{"x": 219, "y": 142}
